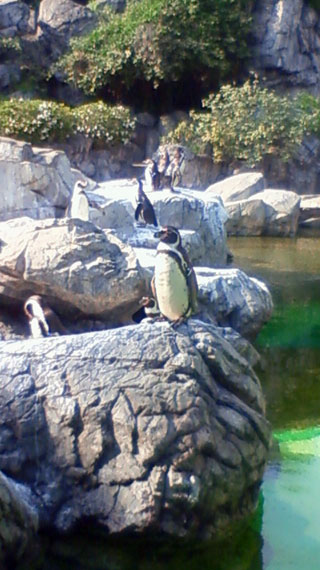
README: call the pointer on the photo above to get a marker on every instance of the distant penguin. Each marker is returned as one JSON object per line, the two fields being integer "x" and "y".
{"x": 79, "y": 204}
{"x": 144, "y": 211}
{"x": 172, "y": 175}
{"x": 150, "y": 306}
{"x": 174, "y": 284}
{"x": 152, "y": 175}
{"x": 42, "y": 319}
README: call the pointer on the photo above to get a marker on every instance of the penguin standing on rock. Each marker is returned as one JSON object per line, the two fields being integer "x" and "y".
{"x": 174, "y": 283}
{"x": 152, "y": 175}
{"x": 144, "y": 211}
{"x": 42, "y": 319}
{"x": 79, "y": 204}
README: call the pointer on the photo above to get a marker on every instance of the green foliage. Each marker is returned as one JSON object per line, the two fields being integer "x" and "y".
{"x": 99, "y": 121}
{"x": 310, "y": 106}
{"x": 159, "y": 40}
{"x": 9, "y": 44}
{"x": 245, "y": 123}
{"x": 39, "y": 121}
{"x": 315, "y": 4}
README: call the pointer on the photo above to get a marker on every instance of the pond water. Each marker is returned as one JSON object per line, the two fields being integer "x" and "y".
{"x": 290, "y": 374}
{"x": 285, "y": 533}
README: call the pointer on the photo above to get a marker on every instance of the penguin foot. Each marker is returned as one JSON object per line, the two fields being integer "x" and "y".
{"x": 178, "y": 322}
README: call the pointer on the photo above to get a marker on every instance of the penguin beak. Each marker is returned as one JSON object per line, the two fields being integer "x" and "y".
{"x": 159, "y": 234}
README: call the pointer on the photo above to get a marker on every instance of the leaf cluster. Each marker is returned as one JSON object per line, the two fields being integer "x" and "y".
{"x": 159, "y": 40}
{"x": 38, "y": 121}
{"x": 245, "y": 123}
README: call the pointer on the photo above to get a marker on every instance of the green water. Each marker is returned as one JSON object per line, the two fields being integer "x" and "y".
{"x": 290, "y": 374}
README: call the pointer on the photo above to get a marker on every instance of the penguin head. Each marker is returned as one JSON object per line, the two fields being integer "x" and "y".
{"x": 79, "y": 185}
{"x": 149, "y": 302}
{"x": 169, "y": 235}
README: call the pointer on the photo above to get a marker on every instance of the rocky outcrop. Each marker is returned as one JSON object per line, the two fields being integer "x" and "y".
{"x": 309, "y": 217}
{"x": 34, "y": 182}
{"x": 200, "y": 216}
{"x": 81, "y": 270}
{"x": 18, "y": 520}
{"x": 270, "y": 212}
{"x": 143, "y": 428}
{"x": 230, "y": 298}
{"x": 238, "y": 187}
{"x": 286, "y": 35}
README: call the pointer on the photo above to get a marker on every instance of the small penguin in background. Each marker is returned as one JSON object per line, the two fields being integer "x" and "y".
{"x": 144, "y": 211}
{"x": 79, "y": 204}
{"x": 152, "y": 175}
{"x": 174, "y": 283}
{"x": 172, "y": 175}
{"x": 150, "y": 306}
{"x": 42, "y": 319}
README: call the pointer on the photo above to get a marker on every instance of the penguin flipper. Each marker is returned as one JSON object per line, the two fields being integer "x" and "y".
{"x": 193, "y": 289}
{"x": 138, "y": 211}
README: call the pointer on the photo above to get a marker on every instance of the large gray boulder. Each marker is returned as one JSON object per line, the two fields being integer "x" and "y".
{"x": 309, "y": 216}
{"x": 34, "y": 182}
{"x": 143, "y": 429}
{"x": 201, "y": 217}
{"x": 14, "y": 17}
{"x": 271, "y": 212}
{"x": 80, "y": 269}
{"x": 230, "y": 298}
{"x": 238, "y": 187}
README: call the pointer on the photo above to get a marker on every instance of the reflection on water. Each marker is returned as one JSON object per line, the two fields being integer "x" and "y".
{"x": 290, "y": 373}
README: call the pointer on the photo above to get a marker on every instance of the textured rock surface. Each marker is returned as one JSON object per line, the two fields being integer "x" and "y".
{"x": 287, "y": 40}
{"x": 201, "y": 216}
{"x": 238, "y": 187}
{"x": 18, "y": 519}
{"x": 233, "y": 299}
{"x": 141, "y": 428}
{"x": 271, "y": 212}
{"x": 34, "y": 182}
{"x": 79, "y": 268}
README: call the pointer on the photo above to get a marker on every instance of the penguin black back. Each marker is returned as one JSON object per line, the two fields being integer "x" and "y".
{"x": 144, "y": 210}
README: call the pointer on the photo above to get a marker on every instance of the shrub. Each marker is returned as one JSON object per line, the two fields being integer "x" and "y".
{"x": 104, "y": 123}
{"x": 159, "y": 40}
{"x": 34, "y": 120}
{"x": 245, "y": 123}
{"x": 38, "y": 121}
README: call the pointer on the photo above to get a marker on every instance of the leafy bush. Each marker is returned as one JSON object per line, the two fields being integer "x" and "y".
{"x": 34, "y": 120}
{"x": 159, "y": 40}
{"x": 105, "y": 123}
{"x": 38, "y": 121}
{"x": 245, "y": 123}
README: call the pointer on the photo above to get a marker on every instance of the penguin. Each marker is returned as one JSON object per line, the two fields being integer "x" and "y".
{"x": 172, "y": 176}
{"x": 79, "y": 204}
{"x": 144, "y": 210}
{"x": 152, "y": 175}
{"x": 174, "y": 283}
{"x": 162, "y": 167}
{"x": 42, "y": 319}
{"x": 150, "y": 305}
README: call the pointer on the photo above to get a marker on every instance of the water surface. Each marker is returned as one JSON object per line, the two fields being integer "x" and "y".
{"x": 290, "y": 374}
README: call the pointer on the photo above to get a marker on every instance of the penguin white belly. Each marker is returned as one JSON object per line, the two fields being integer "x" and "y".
{"x": 80, "y": 208}
{"x": 35, "y": 328}
{"x": 171, "y": 288}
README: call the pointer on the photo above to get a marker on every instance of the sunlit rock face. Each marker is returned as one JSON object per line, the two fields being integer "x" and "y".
{"x": 285, "y": 35}
{"x": 79, "y": 268}
{"x": 140, "y": 429}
